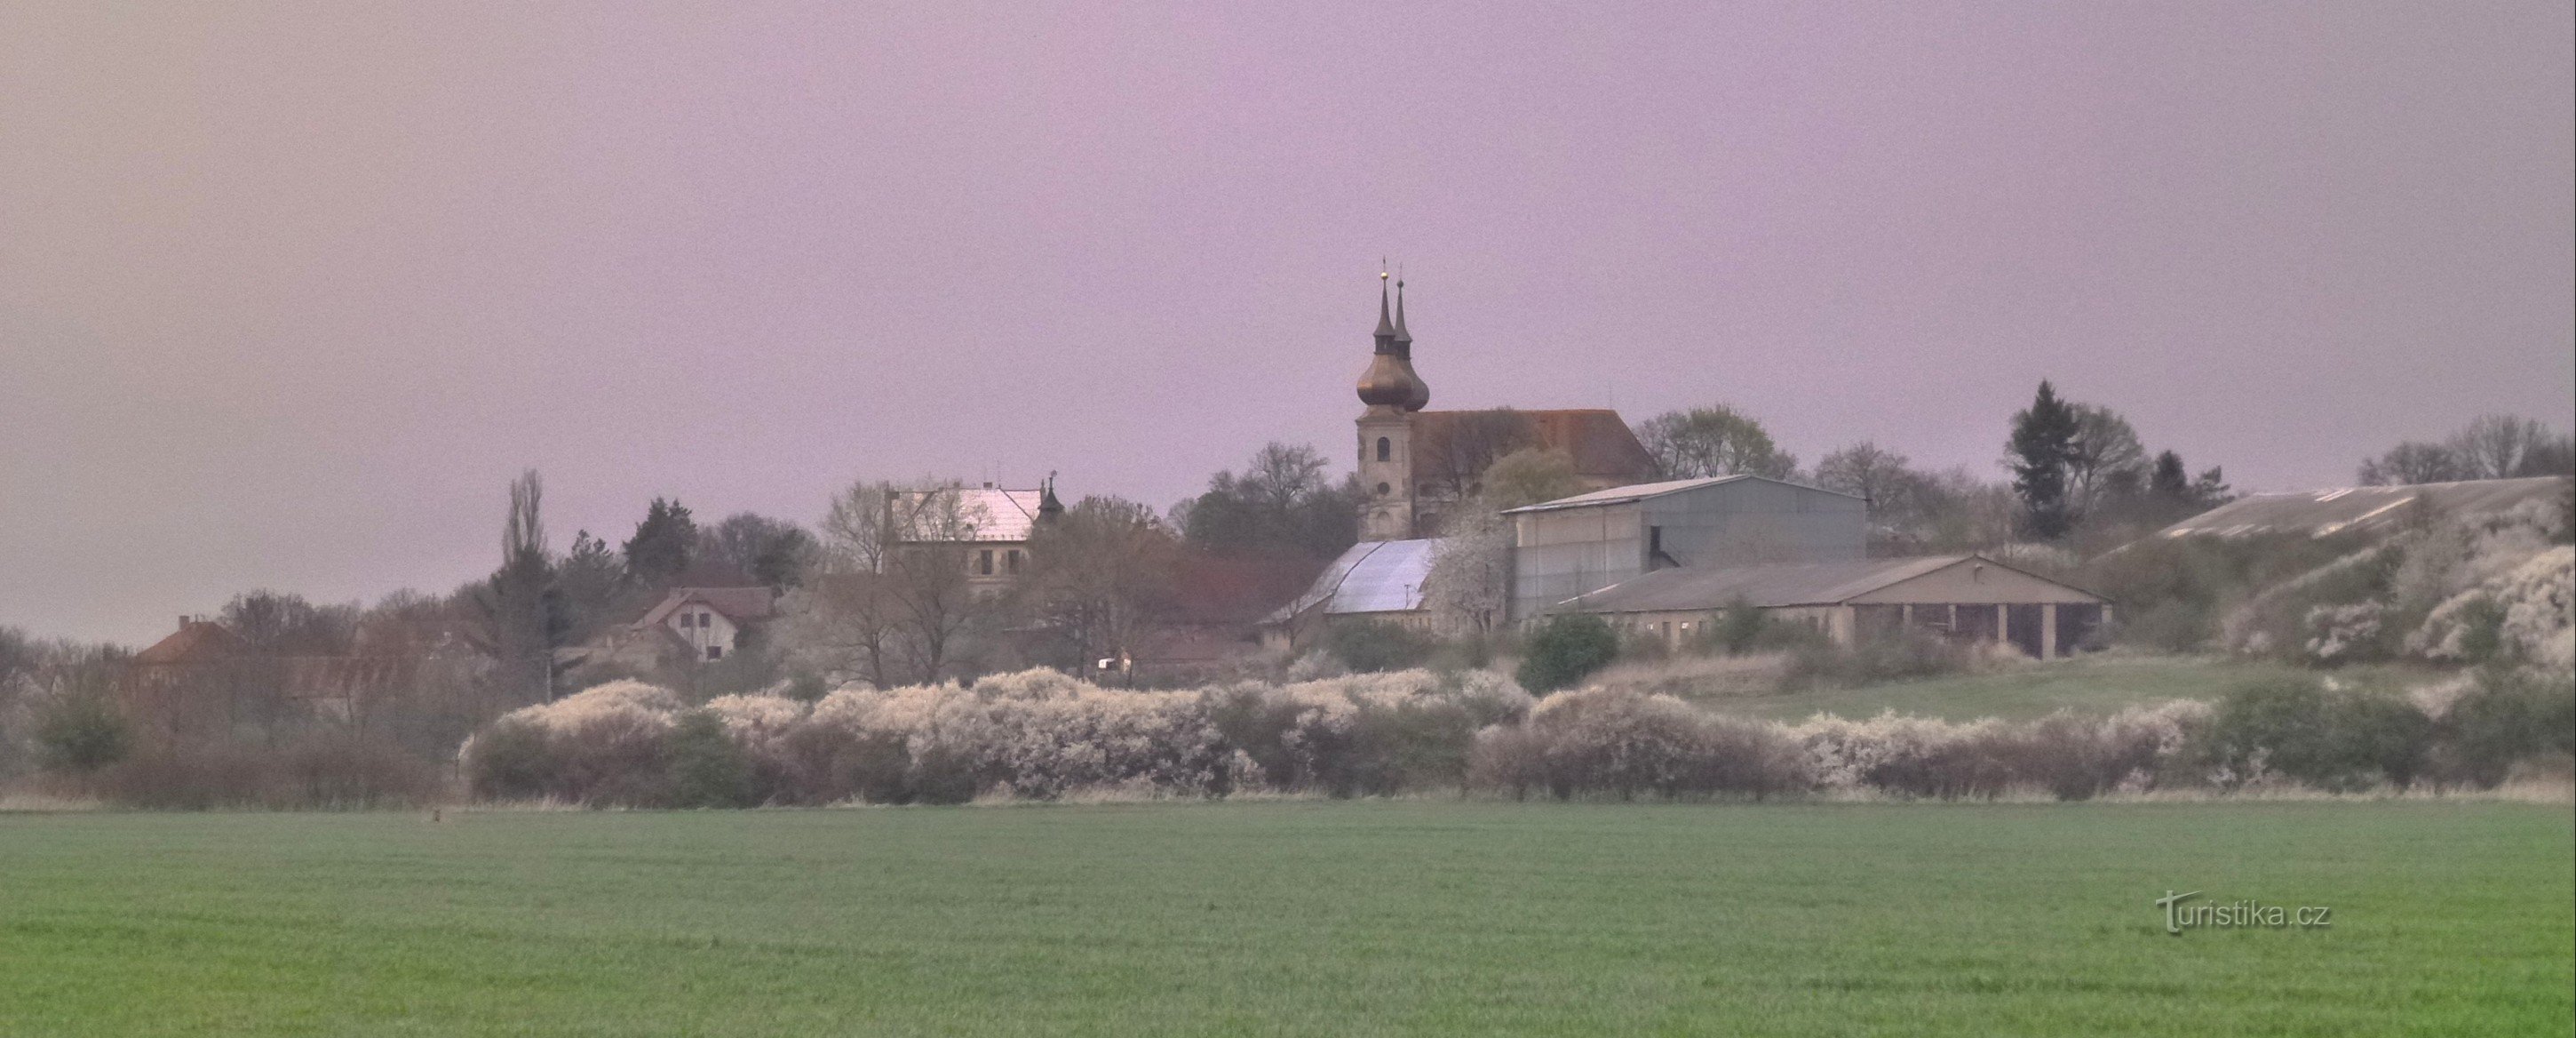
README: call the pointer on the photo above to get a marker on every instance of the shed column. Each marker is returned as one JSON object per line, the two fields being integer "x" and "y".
{"x": 2048, "y": 631}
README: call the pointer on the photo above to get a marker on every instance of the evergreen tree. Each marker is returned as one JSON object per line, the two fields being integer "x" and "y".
{"x": 663, "y": 545}
{"x": 2040, "y": 452}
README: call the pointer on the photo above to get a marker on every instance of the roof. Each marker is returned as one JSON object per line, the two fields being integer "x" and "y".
{"x": 1768, "y": 586}
{"x": 195, "y": 641}
{"x": 2321, "y": 513}
{"x": 1369, "y": 577}
{"x": 1642, "y": 491}
{"x": 998, "y": 515}
{"x": 738, "y": 604}
{"x": 1597, "y": 439}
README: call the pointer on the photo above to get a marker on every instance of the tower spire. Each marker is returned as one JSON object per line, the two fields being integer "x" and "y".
{"x": 1403, "y": 338}
{"x": 1385, "y": 324}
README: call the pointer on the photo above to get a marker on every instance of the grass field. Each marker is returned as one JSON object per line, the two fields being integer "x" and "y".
{"x": 2098, "y": 684}
{"x": 1291, "y": 918}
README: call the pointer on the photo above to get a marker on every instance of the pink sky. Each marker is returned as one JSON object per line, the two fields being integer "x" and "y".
{"x": 289, "y": 292}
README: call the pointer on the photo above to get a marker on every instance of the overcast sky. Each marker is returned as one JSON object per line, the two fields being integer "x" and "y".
{"x": 289, "y": 292}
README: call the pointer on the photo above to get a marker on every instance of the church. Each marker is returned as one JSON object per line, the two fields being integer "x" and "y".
{"x": 1416, "y": 464}
{"x": 1651, "y": 555}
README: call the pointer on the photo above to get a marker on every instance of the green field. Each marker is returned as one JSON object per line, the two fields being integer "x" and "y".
{"x": 1409, "y": 917}
{"x": 2090, "y": 685}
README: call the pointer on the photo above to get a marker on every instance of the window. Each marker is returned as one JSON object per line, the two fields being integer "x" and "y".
{"x": 1385, "y": 448}
{"x": 984, "y": 562}
{"x": 706, "y": 619}
{"x": 1011, "y": 561}
{"x": 715, "y": 652}
{"x": 688, "y": 620}
{"x": 1382, "y": 489}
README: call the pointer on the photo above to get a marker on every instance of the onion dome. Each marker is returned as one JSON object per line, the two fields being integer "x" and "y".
{"x": 1421, "y": 394}
{"x": 1389, "y": 381}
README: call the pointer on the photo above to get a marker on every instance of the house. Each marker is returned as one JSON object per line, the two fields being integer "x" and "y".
{"x": 1964, "y": 597}
{"x": 1574, "y": 545}
{"x": 989, "y": 526}
{"x": 709, "y": 623}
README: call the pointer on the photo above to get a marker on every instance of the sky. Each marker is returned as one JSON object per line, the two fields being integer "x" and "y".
{"x": 290, "y": 292}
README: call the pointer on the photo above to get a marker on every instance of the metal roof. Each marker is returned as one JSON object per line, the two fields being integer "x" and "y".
{"x": 1368, "y": 577}
{"x": 1768, "y": 586}
{"x": 1642, "y": 491}
{"x": 998, "y": 515}
{"x": 2321, "y": 513}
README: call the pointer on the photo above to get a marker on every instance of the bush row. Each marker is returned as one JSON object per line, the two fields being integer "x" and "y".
{"x": 1041, "y": 735}
{"x": 1036, "y": 734}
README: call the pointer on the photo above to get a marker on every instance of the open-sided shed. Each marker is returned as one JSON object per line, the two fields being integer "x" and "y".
{"x": 1968, "y": 597}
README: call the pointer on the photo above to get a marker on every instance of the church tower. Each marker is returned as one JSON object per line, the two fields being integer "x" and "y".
{"x": 1392, "y": 393}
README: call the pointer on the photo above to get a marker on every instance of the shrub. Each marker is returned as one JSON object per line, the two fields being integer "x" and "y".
{"x": 1621, "y": 743}
{"x": 1565, "y": 650}
{"x": 1873, "y": 658}
{"x": 1737, "y": 630}
{"x": 2505, "y": 718}
{"x": 2298, "y": 728}
{"x": 707, "y": 768}
{"x": 345, "y": 769}
{"x": 80, "y": 734}
{"x": 1369, "y": 646}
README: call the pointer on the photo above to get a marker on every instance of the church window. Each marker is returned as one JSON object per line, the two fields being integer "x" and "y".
{"x": 1385, "y": 448}
{"x": 1382, "y": 489}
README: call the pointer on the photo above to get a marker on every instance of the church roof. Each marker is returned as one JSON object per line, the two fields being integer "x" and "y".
{"x": 1597, "y": 439}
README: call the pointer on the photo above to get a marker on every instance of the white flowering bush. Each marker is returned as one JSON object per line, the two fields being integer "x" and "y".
{"x": 1035, "y": 734}
{"x": 603, "y": 744}
{"x": 2522, "y": 612}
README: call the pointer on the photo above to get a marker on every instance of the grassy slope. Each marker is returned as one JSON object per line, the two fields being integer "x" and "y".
{"x": 2096, "y": 684}
{"x": 1281, "y": 918}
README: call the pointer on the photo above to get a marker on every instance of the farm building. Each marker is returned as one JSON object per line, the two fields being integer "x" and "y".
{"x": 1371, "y": 580}
{"x": 1967, "y": 597}
{"x": 2324, "y": 513}
{"x": 1574, "y": 545}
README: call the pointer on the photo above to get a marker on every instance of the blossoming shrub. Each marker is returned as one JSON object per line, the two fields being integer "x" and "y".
{"x": 601, "y": 745}
{"x": 1036, "y": 734}
{"x": 1623, "y": 743}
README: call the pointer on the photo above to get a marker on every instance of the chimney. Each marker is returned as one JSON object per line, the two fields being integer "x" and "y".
{"x": 183, "y": 621}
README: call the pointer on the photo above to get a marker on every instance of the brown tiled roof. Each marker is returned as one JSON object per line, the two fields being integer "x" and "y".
{"x": 196, "y": 641}
{"x": 738, "y": 604}
{"x": 1597, "y": 439}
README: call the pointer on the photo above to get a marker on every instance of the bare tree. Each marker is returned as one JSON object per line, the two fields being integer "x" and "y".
{"x": 1454, "y": 455}
{"x": 2497, "y": 446}
{"x": 1713, "y": 441}
{"x": 1101, "y": 576}
{"x": 2105, "y": 462}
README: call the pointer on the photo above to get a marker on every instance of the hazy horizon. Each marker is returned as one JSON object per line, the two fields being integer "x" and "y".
{"x": 288, "y": 294}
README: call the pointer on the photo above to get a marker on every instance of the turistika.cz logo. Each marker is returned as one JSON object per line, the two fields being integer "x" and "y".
{"x": 2239, "y": 915}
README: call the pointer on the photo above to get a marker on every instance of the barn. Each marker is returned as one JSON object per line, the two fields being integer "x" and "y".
{"x": 1964, "y": 597}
